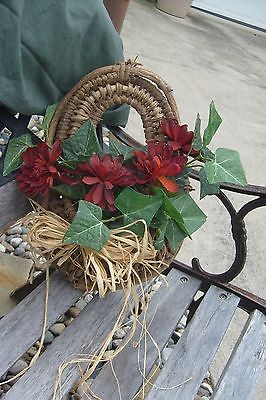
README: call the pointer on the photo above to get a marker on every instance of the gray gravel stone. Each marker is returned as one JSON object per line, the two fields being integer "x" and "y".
{"x": 166, "y": 354}
{"x": 25, "y": 245}
{"x": 207, "y": 387}
{"x": 74, "y": 312}
{"x": 5, "y": 388}
{"x": 57, "y": 328}
{"x": 88, "y": 297}
{"x": 49, "y": 337}
{"x": 156, "y": 286}
{"x": 28, "y": 254}
{"x": 32, "y": 351}
{"x": 19, "y": 251}
{"x": 8, "y": 246}
{"x": 2, "y": 238}
{"x": 116, "y": 343}
{"x": 16, "y": 230}
{"x": 2, "y": 248}
{"x": 25, "y": 230}
{"x": 18, "y": 367}
{"x": 15, "y": 242}
{"x": 68, "y": 321}
{"x": 81, "y": 304}
{"x": 119, "y": 334}
{"x": 24, "y": 237}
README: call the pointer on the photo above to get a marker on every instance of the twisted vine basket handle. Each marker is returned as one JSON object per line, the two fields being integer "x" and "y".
{"x": 123, "y": 83}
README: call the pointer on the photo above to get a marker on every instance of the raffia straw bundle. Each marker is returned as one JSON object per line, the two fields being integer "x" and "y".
{"x": 123, "y": 263}
{"x": 124, "y": 256}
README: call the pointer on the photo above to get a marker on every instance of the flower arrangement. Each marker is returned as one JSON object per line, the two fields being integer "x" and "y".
{"x": 142, "y": 191}
{"x": 112, "y": 217}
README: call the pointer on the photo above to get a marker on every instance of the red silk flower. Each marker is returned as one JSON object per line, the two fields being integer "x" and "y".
{"x": 39, "y": 169}
{"x": 158, "y": 164}
{"x": 103, "y": 174}
{"x": 181, "y": 138}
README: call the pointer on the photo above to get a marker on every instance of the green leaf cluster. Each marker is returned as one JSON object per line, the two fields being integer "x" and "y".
{"x": 117, "y": 148}
{"x": 135, "y": 206}
{"x": 172, "y": 218}
{"x": 178, "y": 218}
{"x": 87, "y": 228}
{"x": 15, "y": 148}
{"x": 50, "y": 110}
{"x": 223, "y": 166}
{"x": 80, "y": 146}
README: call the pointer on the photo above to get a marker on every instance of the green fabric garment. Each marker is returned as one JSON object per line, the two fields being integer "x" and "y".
{"x": 48, "y": 45}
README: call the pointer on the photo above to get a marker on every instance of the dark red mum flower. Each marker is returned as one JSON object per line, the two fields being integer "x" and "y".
{"x": 39, "y": 169}
{"x": 158, "y": 164}
{"x": 103, "y": 174}
{"x": 181, "y": 138}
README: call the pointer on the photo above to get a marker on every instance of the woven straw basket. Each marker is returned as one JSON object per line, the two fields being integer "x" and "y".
{"x": 123, "y": 83}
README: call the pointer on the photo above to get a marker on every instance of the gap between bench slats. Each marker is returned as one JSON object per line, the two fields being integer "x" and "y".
{"x": 12, "y": 204}
{"x": 82, "y": 336}
{"x": 247, "y": 361}
{"x": 166, "y": 309}
{"x": 22, "y": 326}
{"x": 196, "y": 348}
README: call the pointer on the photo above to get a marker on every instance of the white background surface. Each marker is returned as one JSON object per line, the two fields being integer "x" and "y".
{"x": 252, "y": 12}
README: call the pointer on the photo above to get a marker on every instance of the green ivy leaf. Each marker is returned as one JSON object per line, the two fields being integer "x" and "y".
{"x": 87, "y": 228}
{"x": 118, "y": 148}
{"x": 15, "y": 148}
{"x": 75, "y": 192}
{"x": 174, "y": 235}
{"x": 197, "y": 141}
{"x": 226, "y": 167}
{"x": 173, "y": 212}
{"x": 160, "y": 223}
{"x": 182, "y": 178}
{"x": 191, "y": 214}
{"x": 80, "y": 146}
{"x": 134, "y": 205}
{"x": 205, "y": 187}
{"x": 207, "y": 153}
{"x": 213, "y": 124}
{"x": 50, "y": 110}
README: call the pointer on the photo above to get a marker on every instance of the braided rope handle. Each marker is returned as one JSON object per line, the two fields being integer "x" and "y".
{"x": 126, "y": 82}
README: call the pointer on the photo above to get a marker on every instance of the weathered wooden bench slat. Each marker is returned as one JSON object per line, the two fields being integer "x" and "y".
{"x": 26, "y": 318}
{"x": 248, "y": 360}
{"x": 13, "y": 204}
{"x": 196, "y": 348}
{"x": 166, "y": 309}
{"x": 82, "y": 336}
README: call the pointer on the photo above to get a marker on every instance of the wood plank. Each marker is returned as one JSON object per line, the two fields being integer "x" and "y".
{"x": 22, "y": 326}
{"x": 247, "y": 361}
{"x": 83, "y": 336}
{"x": 13, "y": 204}
{"x": 195, "y": 350}
{"x": 166, "y": 309}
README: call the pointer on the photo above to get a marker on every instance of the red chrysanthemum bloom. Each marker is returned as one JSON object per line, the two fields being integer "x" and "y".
{"x": 39, "y": 169}
{"x": 181, "y": 138}
{"x": 158, "y": 164}
{"x": 103, "y": 174}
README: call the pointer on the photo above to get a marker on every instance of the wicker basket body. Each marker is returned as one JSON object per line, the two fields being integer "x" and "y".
{"x": 101, "y": 89}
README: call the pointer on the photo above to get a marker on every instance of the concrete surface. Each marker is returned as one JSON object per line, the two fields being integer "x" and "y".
{"x": 205, "y": 58}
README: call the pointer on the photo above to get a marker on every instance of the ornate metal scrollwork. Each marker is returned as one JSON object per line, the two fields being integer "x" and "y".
{"x": 237, "y": 227}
